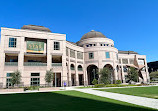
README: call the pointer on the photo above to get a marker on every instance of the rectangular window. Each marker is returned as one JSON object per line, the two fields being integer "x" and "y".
{"x": 124, "y": 68}
{"x": 125, "y": 61}
{"x": 72, "y": 53}
{"x": 79, "y": 55}
{"x": 107, "y": 55}
{"x": 56, "y": 45}
{"x": 12, "y": 42}
{"x": 35, "y": 74}
{"x": 91, "y": 56}
{"x": 9, "y": 74}
{"x": 35, "y": 81}
{"x": 8, "y": 82}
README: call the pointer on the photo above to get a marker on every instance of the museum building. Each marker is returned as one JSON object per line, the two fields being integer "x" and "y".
{"x": 35, "y": 49}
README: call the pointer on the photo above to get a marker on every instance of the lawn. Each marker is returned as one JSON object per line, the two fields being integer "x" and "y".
{"x": 150, "y": 92}
{"x": 63, "y": 101}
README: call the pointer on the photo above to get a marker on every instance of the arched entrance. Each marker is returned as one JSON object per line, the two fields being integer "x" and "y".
{"x": 92, "y": 73}
{"x": 112, "y": 72}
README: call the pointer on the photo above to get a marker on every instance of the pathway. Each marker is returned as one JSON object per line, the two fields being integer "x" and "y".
{"x": 143, "y": 101}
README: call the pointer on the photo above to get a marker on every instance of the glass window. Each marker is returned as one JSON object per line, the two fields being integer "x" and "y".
{"x": 35, "y": 81}
{"x": 67, "y": 53}
{"x": 107, "y": 55}
{"x": 72, "y": 53}
{"x": 124, "y": 68}
{"x": 125, "y": 61}
{"x": 91, "y": 55}
{"x": 12, "y": 42}
{"x": 8, "y": 82}
{"x": 131, "y": 61}
{"x": 117, "y": 56}
{"x": 35, "y": 74}
{"x": 56, "y": 45}
{"x": 9, "y": 74}
{"x": 79, "y": 55}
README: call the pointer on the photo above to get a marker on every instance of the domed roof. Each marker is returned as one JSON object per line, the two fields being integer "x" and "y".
{"x": 93, "y": 34}
{"x": 36, "y": 27}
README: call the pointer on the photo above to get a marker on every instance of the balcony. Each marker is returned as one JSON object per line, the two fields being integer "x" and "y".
{"x": 34, "y": 64}
{"x": 11, "y": 63}
{"x": 57, "y": 64}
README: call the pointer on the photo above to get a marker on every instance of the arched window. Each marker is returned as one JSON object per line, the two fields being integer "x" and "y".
{"x": 72, "y": 67}
{"x": 80, "y": 68}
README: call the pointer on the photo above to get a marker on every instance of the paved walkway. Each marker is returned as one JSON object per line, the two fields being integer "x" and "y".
{"x": 143, "y": 101}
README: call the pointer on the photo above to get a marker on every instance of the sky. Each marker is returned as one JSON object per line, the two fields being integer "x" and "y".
{"x": 132, "y": 24}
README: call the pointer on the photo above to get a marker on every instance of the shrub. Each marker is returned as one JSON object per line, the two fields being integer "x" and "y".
{"x": 95, "y": 81}
{"x": 118, "y": 82}
{"x": 99, "y": 85}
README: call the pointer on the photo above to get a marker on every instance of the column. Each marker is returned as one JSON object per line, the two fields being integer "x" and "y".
{"x": 76, "y": 70}
{"x": 69, "y": 70}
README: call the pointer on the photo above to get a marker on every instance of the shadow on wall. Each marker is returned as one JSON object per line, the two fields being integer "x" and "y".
{"x": 63, "y": 101}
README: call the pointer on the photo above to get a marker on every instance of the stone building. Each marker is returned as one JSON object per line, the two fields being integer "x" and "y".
{"x": 34, "y": 49}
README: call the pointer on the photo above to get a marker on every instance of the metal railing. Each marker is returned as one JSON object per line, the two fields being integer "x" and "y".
{"x": 11, "y": 63}
{"x": 56, "y": 64}
{"x": 34, "y": 64}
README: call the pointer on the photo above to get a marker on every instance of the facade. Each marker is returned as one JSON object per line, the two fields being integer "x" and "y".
{"x": 34, "y": 49}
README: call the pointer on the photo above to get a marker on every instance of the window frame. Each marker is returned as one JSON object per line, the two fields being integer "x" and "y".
{"x": 107, "y": 54}
{"x": 56, "y": 45}
{"x": 91, "y": 55}
{"x": 12, "y": 42}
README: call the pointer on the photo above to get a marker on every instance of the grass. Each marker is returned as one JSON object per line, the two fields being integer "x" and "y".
{"x": 64, "y": 101}
{"x": 150, "y": 92}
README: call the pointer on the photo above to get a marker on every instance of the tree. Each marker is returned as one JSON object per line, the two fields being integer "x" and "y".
{"x": 49, "y": 76}
{"x": 16, "y": 78}
{"x": 132, "y": 74}
{"x": 154, "y": 75}
{"x": 105, "y": 75}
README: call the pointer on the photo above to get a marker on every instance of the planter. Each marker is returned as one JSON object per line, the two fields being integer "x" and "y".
{"x": 49, "y": 88}
{"x": 12, "y": 90}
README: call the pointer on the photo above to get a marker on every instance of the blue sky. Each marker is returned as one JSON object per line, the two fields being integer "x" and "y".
{"x": 132, "y": 24}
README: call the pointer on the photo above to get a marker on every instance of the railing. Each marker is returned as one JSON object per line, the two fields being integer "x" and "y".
{"x": 34, "y": 64}
{"x": 56, "y": 64}
{"x": 11, "y": 63}
{"x": 80, "y": 69}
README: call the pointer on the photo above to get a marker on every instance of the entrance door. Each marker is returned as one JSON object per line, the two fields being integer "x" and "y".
{"x": 73, "y": 79}
{"x": 80, "y": 79}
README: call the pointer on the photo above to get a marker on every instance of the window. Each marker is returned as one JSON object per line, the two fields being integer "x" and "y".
{"x": 125, "y": 61}
{"x": 8, "y": 82}
{"x": 91, "y": 55}
{"x": 72, "y": 53}
{"x": 67, "y": 52}
{"x": 9, "y": 74}
{"x": 79, "y": 55}
{"x": 35, "y": 79}
{"x": 35, "y": 74}
{"x": 107, "y": 55}
{"x": 12, "y": 42}
{"x": 124, "y": 68}
{"x": 56, "y": 45}
{"x": 131, "y": 61}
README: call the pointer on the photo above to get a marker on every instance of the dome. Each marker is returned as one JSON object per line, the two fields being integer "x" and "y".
{"x": 93, "y": 34}
{"x": 36, "y": 27}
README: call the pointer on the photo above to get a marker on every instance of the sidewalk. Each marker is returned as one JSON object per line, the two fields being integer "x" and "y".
{"x": 142, "y": 101}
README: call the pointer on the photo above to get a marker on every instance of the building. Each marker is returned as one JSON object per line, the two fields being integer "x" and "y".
{"x": 152, "y": 66}
{"x": 34, "y": 49}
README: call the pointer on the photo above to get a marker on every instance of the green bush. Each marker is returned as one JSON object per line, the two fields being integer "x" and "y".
{"x": 118, "y": 82}
{"x": 95, "y": 81}
{"x": 99, "y": 85}
{"x": 31, "y": 88}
